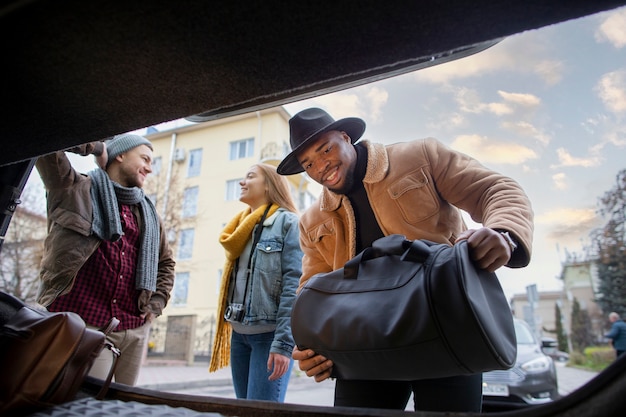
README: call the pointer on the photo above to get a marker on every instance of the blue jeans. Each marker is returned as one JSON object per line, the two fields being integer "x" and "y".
{"x": 248, "y": 362}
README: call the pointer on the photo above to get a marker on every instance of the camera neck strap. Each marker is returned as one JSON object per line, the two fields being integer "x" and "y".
{"x": 255, "y": 241}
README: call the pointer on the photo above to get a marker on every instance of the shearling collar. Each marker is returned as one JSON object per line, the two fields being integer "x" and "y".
{"x": 377, "y": 168}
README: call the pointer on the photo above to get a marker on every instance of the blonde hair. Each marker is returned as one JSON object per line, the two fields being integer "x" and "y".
{"x": 278, "y": 191}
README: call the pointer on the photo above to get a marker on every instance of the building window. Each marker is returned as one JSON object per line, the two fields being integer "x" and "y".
{"x": 286, "y": 149}
{"x": 190, "y": 202}
{"x": 181, "y": 289}
{"x": 233, "y": 190}
{"x": 157, "y": 165}
{"x": 195, "y": 161}
{"x": 242, "y": 149}
{"x": 185, "y": 247}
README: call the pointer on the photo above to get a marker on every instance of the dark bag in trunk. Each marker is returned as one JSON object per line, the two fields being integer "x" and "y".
{"x": 406, "y": 310}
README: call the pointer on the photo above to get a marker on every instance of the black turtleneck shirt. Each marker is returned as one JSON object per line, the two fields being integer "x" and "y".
{"x": 367, "y": 228}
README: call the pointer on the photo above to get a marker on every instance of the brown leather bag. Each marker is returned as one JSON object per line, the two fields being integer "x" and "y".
{"x": 45, "y": 356}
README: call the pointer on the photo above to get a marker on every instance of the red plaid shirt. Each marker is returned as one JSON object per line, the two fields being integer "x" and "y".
{"x": 105, "y": 284}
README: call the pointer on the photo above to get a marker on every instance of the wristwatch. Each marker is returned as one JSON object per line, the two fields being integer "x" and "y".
{"x": 509, "y": 240}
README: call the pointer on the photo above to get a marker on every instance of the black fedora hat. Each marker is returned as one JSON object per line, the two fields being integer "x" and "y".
{"x": 308, "y": 125}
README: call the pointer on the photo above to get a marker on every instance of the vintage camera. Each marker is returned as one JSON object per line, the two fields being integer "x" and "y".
{"x": 234, "y": 312}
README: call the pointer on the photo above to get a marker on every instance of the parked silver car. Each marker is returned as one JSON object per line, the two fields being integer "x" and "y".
{"x": 551, "y": 348}
{"x": 531, "y": 381}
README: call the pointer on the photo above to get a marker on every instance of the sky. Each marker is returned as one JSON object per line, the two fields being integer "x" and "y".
{"x": 546, "y": 107}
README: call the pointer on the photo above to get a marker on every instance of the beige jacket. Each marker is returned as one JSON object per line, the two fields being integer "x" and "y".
{"x": 416, "y": 189}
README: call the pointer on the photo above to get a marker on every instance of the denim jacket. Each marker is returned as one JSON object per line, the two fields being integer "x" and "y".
{"x": 276, "y": 270}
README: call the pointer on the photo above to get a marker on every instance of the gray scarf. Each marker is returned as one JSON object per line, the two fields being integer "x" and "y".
{"x": 105, "y": 195}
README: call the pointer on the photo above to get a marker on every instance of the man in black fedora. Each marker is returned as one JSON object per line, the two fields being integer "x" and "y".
{"x": 411, "y": 188}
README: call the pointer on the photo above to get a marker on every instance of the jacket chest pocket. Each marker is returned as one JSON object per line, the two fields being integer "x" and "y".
{"x": 71, "y": 220}
{"x": 329, "y": 239}
{"x": 268, "y": 256}
{"x": 414, "y": 196}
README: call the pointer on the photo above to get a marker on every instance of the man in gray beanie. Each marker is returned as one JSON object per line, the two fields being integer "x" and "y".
{"x": 106, "y": 254}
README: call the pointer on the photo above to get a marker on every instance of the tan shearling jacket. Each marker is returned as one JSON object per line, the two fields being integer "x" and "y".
{"x": 416, "y": 189}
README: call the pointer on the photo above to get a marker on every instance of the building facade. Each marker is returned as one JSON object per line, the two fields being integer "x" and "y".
{"x": 579, "y": 283}
{"x": 538, "y": 310}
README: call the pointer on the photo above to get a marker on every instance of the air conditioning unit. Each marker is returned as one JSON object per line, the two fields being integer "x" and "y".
{"x": 179, "y": 154}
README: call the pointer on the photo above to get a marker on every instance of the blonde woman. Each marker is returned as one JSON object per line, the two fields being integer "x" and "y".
{"x": 261, "y": 275}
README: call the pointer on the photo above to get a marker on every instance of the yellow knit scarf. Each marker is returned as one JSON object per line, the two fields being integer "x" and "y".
{"x": 233, "y": 238}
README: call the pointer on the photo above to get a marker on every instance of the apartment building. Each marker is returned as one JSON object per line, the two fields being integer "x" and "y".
{"x": 195, "y": 187}
{"x": 580, "y": 282}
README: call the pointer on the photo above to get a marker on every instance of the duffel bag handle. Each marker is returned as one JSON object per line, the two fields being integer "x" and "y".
{"x": 411, "y": 251}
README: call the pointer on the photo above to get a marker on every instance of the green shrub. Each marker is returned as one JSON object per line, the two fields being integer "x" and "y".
{"x": 577, "y": 359}
{"x": 594, "y": 358}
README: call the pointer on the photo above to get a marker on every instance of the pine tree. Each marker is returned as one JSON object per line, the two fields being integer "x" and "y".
{"x": 561, "y": 337}
{"x": 581, "y": 328}
{"x": 610, "y": 247}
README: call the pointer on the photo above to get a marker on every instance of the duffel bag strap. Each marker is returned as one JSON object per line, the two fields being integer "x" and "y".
{"x": 106, "y": 329}
{"x": 388, "y": 245}
{"x": 418, "y": 251}
{"x": 408, "y": 250}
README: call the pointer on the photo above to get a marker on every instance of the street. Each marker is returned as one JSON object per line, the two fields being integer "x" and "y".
{"x": 304, "y": 390}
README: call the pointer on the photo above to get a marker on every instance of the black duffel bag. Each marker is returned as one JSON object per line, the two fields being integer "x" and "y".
{"x": 406, "y": 310}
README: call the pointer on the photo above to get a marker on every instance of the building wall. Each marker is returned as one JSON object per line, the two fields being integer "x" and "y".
{"x": 580, "y": 283}
{"x": 542, "y": 313}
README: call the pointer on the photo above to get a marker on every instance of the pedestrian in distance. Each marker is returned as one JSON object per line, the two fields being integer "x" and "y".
{"x": 106, "y": 253}
{"x": 415, "y": 189}
{"x": 617, "y": 334}
{"x": 258, "y": 288}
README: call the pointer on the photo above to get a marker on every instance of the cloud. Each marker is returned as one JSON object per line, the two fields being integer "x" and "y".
{"x": 511, "y": 54}
{"x": 528, "y": 130}
{"x": 566, "y": 159}
{"x": 613, "y": 29}
{"x": 520, "y": 99}
{"x": 469, "y": 101}
{"x": 446, "y": 122}
{"x": 617, "y": 137}
{"x": 499, "y": 109}
{"x": 376, "y": 99}
{"x": 366, "y": 102}
{"x": 568, "y": 224}
{"x": 489, "y": 151}
{"x": 591, "y": 123}
{"x": 339, "y": 105}
{"x": 551, "y": 71}
{"x": 559, "y": 180}
{"x": 612, "y": 91}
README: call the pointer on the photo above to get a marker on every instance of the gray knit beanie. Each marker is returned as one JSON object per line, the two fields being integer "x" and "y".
{"x": 124, "y": 143}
